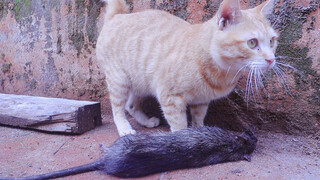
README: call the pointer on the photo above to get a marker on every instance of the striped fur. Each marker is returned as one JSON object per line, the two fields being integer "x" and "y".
{"x": 155, "y": 53}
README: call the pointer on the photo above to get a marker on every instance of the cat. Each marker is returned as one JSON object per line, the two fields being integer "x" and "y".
{"x": 155, "y": 53}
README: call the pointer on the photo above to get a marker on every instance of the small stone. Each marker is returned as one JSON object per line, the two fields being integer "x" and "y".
{"x": 237, "y": 171}
{"x": 6, "y": 67}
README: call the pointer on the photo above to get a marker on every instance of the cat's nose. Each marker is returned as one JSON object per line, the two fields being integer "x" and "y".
{"x": 270, "y": 61}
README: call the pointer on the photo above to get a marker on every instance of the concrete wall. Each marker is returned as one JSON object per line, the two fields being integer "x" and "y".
{"x": 47, "y": 48}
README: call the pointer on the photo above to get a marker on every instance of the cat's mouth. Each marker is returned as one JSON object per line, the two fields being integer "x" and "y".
{"x": 268, "y": 67}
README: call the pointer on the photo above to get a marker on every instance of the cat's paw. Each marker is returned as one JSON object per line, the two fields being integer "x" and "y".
{"x": 124, "y": 132}
{"x": 152, "y": 122}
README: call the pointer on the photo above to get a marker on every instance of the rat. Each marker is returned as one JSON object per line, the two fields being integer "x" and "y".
{"x": 137, "y": 155}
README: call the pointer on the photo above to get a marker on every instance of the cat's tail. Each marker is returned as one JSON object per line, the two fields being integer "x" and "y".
{"x": 115, "y": 7}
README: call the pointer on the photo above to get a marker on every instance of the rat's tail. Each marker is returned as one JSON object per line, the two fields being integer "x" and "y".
{"x": 115, "y": 7}
{"x": 62, "y": 173}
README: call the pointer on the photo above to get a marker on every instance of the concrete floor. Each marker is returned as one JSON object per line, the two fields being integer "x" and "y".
{"x": 278, "y": 156}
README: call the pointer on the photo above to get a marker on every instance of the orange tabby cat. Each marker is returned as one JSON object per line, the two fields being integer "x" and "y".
{"x": 155, "y": 53}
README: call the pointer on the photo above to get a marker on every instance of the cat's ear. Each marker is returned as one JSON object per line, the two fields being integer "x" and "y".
{"x": 229, "y": 13}
{"x": 266, "y": 8}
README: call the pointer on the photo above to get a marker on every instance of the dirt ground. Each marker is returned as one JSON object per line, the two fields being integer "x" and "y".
{"x": 278, "y": 156}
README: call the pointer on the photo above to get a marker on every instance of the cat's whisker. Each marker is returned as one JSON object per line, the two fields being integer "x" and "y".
{"x": 287, "y": 57}
{"x": 282, "y": 77}
{"x": 256, "y": 82}
{"x": 285, "y": 80}
{"x": 255, "y": 79}
{"x": 251, "y": 86}
{"x": 288, "y": 66}
{"x": 261, "y": 82}
{"x": 239, "y": 72}
{"x": 282, "y": 72}
{"x": 256, "y": 85}
{"x": 228, "y": 71}
{"x": 278, "y": 73}
{"x": 275, "y": 69}
{"x": 247, "y": 89}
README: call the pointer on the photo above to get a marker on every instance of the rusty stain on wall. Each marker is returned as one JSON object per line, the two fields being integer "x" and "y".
{"x": 47, "y": 48}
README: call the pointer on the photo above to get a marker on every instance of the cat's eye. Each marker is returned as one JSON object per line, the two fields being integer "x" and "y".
{"x": 272, "y": 42}
{"x": 252, "y": 43}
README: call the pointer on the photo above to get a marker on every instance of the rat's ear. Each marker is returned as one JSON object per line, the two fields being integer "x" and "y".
{"x": 247, "y": 157}
{"x": 241, "y": 138}
{"x": 228, "y": 14}
{"x": 266, "y": 8}
{"x": 249, "y": 132}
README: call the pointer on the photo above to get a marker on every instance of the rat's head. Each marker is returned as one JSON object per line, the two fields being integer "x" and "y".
{"x": 245, "y": 145}
{"x": 244, "y": 39}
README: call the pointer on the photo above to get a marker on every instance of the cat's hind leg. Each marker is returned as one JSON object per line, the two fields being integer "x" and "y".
{"x": 134, "y": 109}
{"x": 198, "y": 113}
{"x": 119, "y": 93}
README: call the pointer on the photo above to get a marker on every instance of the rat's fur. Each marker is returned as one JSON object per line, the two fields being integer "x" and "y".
{"x": 140, "y": 155}
{"x": 155, "y": 53}
{"x": 143, "y": 154}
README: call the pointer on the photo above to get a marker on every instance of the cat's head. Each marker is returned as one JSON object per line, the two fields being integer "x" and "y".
{"x": 244, "y": 38}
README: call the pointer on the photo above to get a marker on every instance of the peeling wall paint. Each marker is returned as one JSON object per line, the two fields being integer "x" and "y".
{"x": 47, "y": 48}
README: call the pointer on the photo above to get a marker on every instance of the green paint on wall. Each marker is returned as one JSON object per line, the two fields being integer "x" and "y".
{"x": 16, "y": 9}
{"x": 22, "y": 9}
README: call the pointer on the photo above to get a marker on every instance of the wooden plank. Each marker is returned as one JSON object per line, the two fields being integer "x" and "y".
{"x": 49, "y": 114}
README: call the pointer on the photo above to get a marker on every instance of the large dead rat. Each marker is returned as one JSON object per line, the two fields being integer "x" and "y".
{"x": 143, "y": 154}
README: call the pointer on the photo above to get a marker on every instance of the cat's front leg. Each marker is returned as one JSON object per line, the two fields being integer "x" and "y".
{"x": 198, "y": 113}
{"x": 174, "y": 109}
